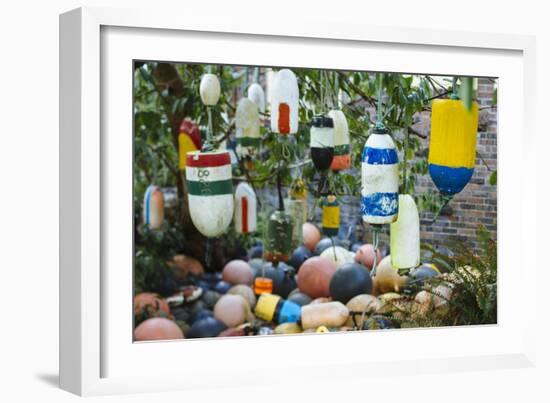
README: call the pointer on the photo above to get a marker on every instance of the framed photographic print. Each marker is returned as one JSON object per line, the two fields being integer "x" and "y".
{"x": 287, "y": 199}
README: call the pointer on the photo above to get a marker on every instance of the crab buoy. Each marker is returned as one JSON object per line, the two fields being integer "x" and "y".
{"x": 342, "y": 157}
{"x": 379, "y": 179}
{"x": 210, "y": 191}
{"x": 245, "y": 209}
{"x": 405, "y": 235}
{"x": 247, "y": 123}
{"x": 278, "y": 245}
{"x": 189, "y": 139}
{"x": 330, "y": 215}
{"x": 153, "y": 207}
{"x": 210, "y": 89}
{"x": 284, "y": 103}
{"x": 256, "y": 94}
{"x": 273, "y": 308}
{"x": 321, "y": 142}
{"x": 453, "y": 137}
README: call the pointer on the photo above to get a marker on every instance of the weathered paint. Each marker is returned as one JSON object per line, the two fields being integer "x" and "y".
{"x": 256, "y": 94}
{"x": 321, "y": 142}
{"x": 330, "y": 218}
{"x": 245, "y": 209}
{"x": 379, "y": 180}
{"x": 153, "y": 207}
{"x": 210, "y": 89}
{"x": 284, "y": 103}
{"x": 342, "y": 157}
{"x": 210, "y": 191}
{"x": 247, "y": 123}
{"x": 453, "y": 138}
{"x": 405, "y": 235}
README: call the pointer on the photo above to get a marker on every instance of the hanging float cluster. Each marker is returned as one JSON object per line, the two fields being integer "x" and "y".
{"x": 209, "y": 183}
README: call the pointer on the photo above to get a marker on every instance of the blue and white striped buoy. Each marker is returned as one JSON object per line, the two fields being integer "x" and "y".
{"x": 379, "y": 179}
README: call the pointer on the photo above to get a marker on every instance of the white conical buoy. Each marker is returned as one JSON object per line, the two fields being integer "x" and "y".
{"x": 405, "y": 235}
{"x": 210, "y": 89}
{"x": 245, "y": 209}
{"x": 284, "y": 103}
{"x": 256, "y": 94}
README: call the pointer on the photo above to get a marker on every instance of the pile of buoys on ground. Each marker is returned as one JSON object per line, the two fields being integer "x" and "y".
{"x": 323, "y": 287}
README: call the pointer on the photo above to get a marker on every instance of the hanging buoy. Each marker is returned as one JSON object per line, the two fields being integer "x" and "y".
{"x": 278, "y": 244}
{"x": 379, "y": 179}
{"x": 210, "y": 191}
{"x": 189, "y": 139}
{"x": 284, "y": 103}
{"x": 298, "y": 191}
{"x": 342, "y": 157}
{"x": 295, "y": 208}
{"x": 321, "y": 142}
{"x": 256, "y": 95}
{"x": 153, "y": 207}
{"x": 210, "y": 89}
{"x": 245, "y": 209}
{"x": 247, "y": 123}
{"x": 330, "y": 215}
{"x": 405, "y": 235}
{"x": 453, "y": 137}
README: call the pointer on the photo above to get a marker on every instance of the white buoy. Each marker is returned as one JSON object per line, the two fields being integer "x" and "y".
{"x": 405, "y": 235}
{"x": 153, "y": 207}
{"x": 210, "y": 89}
{"x": 245, "y": 209}
{"x": 256, "y": 95}
{"x": 284, "y": 103}
{"x": 342, "y": 157}
{"x": 247, "y": 122}
{"x": 210, "y": 191}
{"x": 379, "y": 179}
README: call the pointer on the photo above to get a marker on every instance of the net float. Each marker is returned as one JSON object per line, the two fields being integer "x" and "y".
{"x": 210, "y": 89}
{"x": 379, "y": 179}
{"x": 405, "y": 235}
{"x": 245, "y": 209}
{"x": 247, "y": 123}
{"x": 342, "y": 157}
{"x": 153, "y": 207}
{"x": 321, "y": 142}
{"x": 256, "y": 94}
{"x": 284, "y": 103}
{"x": 189, "y": 139}
{"x": 330, "y": 218}
{"x": 453, "y": 137}
{"x": 210, "y": 191}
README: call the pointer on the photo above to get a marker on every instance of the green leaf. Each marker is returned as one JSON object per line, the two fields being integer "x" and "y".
{"x": 493, "y": 178}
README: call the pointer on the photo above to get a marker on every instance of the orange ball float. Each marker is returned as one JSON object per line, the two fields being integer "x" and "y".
{"x": 238, "y": 272}
{"x": 157, "y": 329}
{"x": 311, "y": 235}
{"x": 315, "y": 275}
{"x": 151, "y": 301}
{"x": 365, "y": 255}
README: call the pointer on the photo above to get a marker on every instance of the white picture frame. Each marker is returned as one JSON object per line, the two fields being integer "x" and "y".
{"x": 96, "y": 349}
